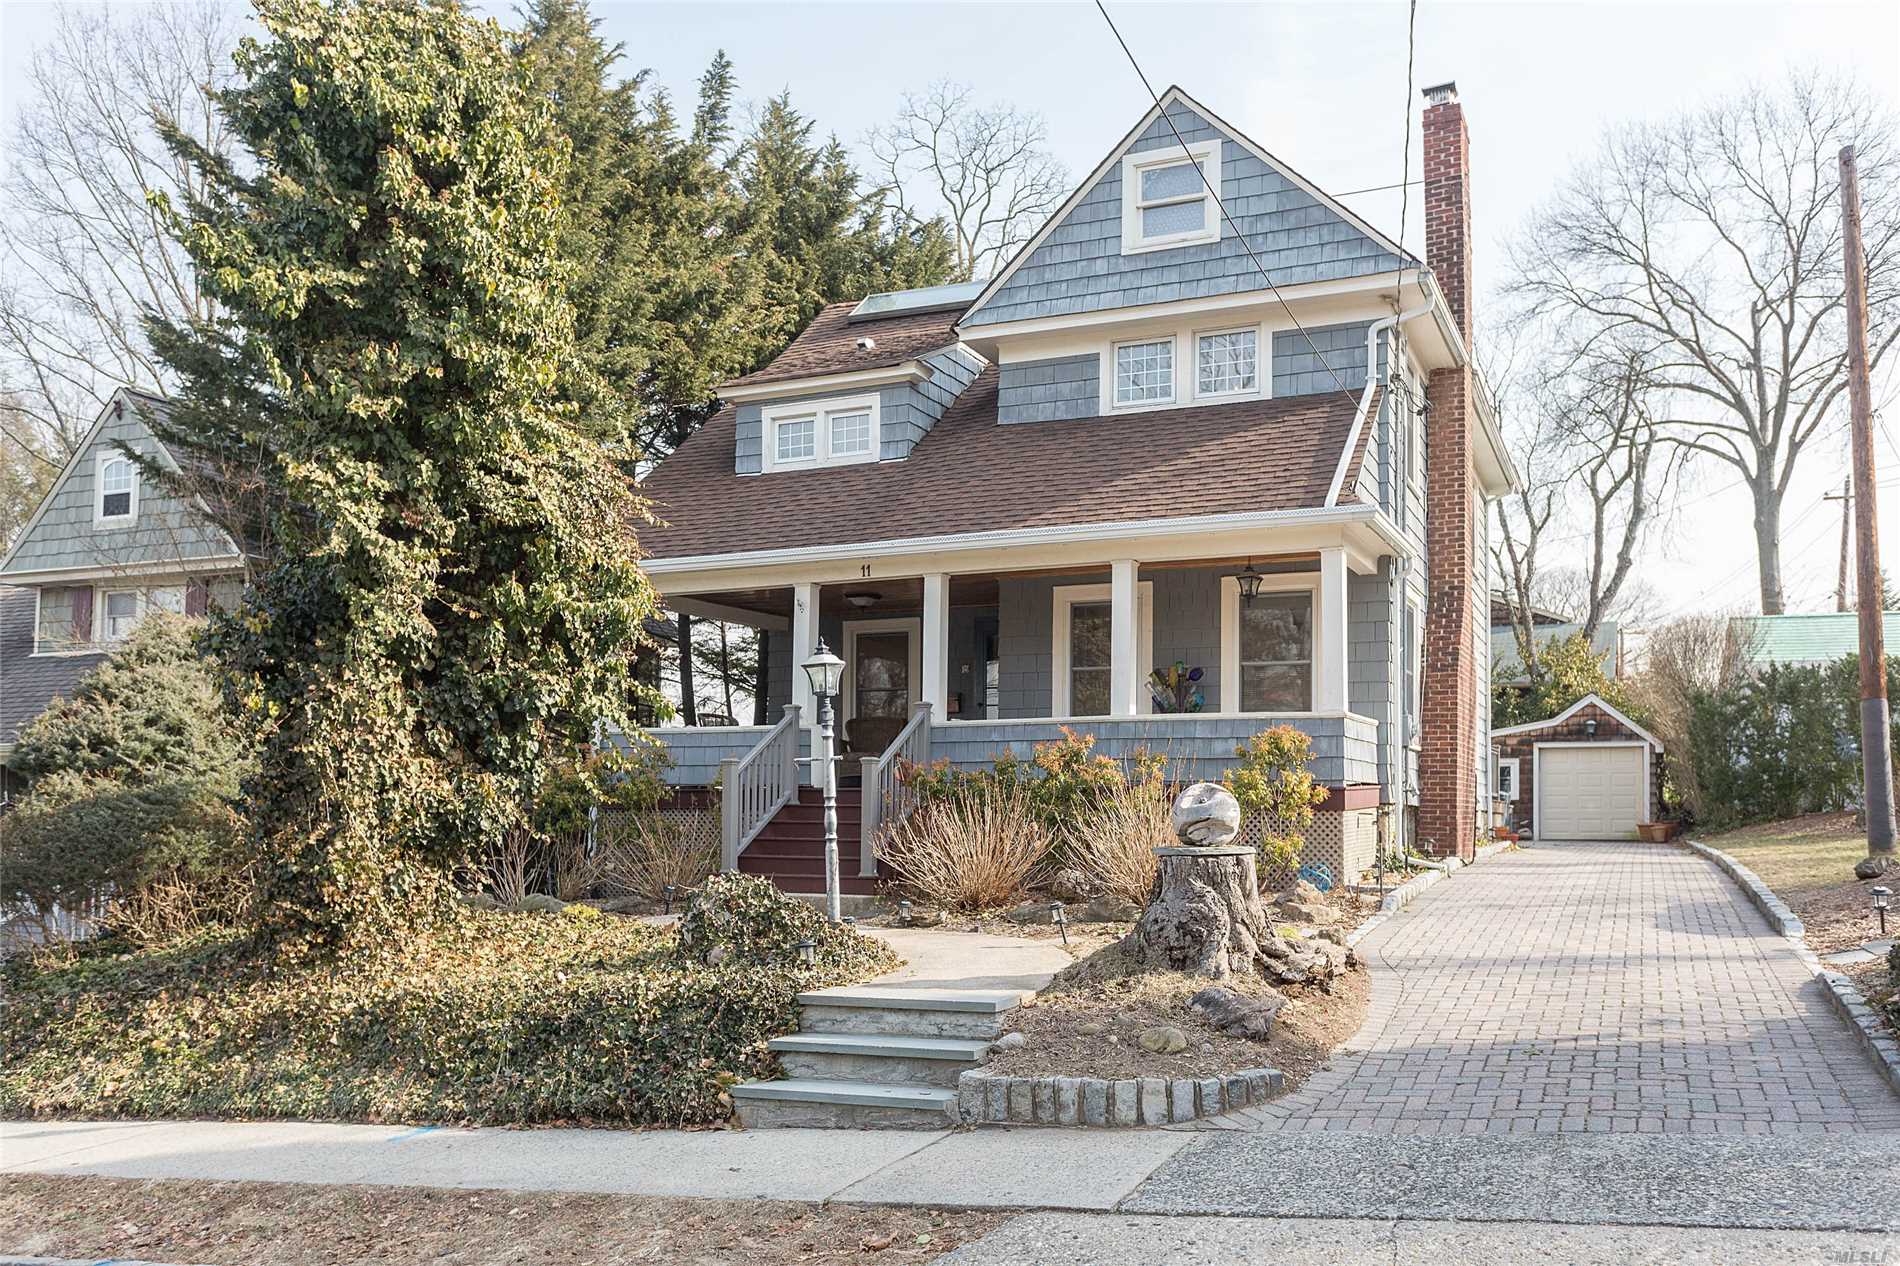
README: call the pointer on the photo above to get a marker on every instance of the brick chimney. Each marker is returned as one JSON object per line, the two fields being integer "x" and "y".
{"x": 1448, "y": 815}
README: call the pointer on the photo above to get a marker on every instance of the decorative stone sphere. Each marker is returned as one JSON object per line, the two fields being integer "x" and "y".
{"x": 1206, "y": 815}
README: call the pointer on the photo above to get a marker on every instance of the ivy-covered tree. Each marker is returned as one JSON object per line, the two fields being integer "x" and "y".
{"x": 1571, "y": 668}
{"x": 454, "y": 596}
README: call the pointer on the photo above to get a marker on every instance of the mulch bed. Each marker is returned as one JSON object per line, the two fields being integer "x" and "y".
{"x": 292, "y": 1224}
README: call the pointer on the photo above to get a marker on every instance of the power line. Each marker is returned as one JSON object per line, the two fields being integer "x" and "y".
{"x": 1382, "y": 188}
{"x": 1240, "y": 236}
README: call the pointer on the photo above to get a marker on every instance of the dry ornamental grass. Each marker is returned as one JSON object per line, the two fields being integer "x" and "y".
{"x": 972, "y": 850}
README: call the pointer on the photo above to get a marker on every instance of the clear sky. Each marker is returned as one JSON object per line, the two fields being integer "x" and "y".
{"x": 1322, "y": 86}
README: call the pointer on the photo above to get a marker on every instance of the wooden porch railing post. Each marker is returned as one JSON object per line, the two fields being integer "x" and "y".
{"x": 870, "y": 815}
{"x": 729, "y": 813}
{"x": 789, "y": 787}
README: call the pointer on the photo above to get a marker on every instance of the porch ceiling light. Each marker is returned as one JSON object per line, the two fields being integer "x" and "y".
{"x": 1250, "y": 582}
{"x": 824, "y": 670}
{"x": 863, "y": 599}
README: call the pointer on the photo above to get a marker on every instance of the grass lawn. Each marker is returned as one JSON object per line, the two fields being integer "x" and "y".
{"x": 497, "y": 1018}
{"x": 294, "y": 1224}
{"x": 1809, "y": 862}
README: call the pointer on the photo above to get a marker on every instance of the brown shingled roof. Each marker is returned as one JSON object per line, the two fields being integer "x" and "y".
{"x": 829, "y": 345}
{"x": 972, "y": 474}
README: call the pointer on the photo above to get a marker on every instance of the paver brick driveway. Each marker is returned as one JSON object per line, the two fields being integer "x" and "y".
{"x": 1605, "y": 987}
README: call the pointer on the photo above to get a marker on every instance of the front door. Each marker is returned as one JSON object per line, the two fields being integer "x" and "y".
{"x": 881, "y": 669}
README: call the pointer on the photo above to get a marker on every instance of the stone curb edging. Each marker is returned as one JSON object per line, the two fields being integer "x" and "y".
{"x": 1492, "y": 850}
{"x": 995, "y": 1099}
{"x": 1840, "y": 992}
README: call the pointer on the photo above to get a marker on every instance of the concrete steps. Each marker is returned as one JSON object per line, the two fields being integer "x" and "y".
{"x": 871, "y": 1057}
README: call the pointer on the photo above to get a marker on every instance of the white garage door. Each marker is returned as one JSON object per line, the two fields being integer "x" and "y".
{"x": 1589, "y": 793}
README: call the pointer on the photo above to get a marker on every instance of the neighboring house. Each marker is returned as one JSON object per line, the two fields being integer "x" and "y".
{"x": 1588, "y": 773}
{"x": 1004, "y": 504}
{"x": 1547, "y": 627}
{"x": 105, "y": 547}
{"x": 1757, "y": 642}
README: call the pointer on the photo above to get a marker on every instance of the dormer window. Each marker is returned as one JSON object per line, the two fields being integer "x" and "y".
{"x": 1167, "y": 197}
{"x": 118, "y": 501}
{"x": 821, "y": 433}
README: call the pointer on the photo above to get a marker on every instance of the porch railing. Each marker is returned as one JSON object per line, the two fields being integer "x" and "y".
{"x": 754, "y": 787}
{"x": 886, "y": 800}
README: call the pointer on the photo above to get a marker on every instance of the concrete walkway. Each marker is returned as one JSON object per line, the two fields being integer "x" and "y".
{"x": 1589, "y": 988}
{"x": 937, "y": 958}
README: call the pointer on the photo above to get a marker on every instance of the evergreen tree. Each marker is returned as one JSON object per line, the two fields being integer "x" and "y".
{"x": 454, "y": 596}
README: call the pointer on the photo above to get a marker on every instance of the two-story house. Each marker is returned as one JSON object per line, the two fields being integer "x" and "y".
{"x": 104, "y": 548}
{"x": 1241, "y": 434}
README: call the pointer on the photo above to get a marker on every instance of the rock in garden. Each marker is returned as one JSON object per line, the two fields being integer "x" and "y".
{"x": 539, "y": 903}
{"x": 478, "y": 901}
{"x": 1072, "y": 886}
{"x": 1238, "y": 1015}
{"x": 927, "y": 918}
{"x": 716, "y": 955}
{"x": 1206, "y": 815}
{"x": 1091, "y": 1029}
{"x": 1303, "y": 903}
{"x": 1011, "y": 1042}
{"x": 1110, "y": 910}
{"x": 1038, "y": 912}
{"x": 1163, "y": 1039}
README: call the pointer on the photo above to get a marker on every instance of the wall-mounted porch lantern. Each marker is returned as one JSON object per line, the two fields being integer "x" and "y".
{"x": 1590, "y": 728}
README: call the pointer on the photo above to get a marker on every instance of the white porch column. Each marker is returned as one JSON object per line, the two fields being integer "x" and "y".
{"x": 804, "y": 645}
{"x": 1124, "y": 671}
{"x": 1330, "y": 640}
{"x": 936, "y": 648}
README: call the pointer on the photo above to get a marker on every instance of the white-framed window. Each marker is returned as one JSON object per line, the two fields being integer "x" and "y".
{"x": 1167, "y": 199}
{"x": 1507, "y": 778}
{"x": 822, "y": 433}
{"x": 62, "y": 619}
{"x": 119, "y": 611}
{"x": 1081, "y": 650}
{"x": 1267, "y": 645}
{"x": 1227, "y": 363}
{"x": 1144, "y": 372}
{"x": 117, "y": 481}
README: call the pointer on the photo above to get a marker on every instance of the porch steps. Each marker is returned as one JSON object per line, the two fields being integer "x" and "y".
{"x": 790, "y": 850}
{"x": 877, "y": 1057}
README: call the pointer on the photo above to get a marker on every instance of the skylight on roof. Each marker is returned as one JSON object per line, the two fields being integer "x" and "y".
{"x": 924, "y": 299}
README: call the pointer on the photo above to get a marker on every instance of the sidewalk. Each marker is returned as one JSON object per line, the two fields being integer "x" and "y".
{"x": 993, "y": 1168}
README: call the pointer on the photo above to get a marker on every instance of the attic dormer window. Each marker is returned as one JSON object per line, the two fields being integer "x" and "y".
{"x": 118, "y": 500}
{"x": 821, "y": 433}
{"x": 1167, "y": 197}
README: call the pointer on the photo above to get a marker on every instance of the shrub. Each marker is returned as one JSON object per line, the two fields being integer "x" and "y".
{"x": 754, "y": 922}
{"x": 641, "y": 854}
{"x": 130, "y": 810}
{"x": 1276, "y": 789}
{"x": 972, "y": 847}
{"x": 1114, "y": 841}
{"x": 492, "y": 1017}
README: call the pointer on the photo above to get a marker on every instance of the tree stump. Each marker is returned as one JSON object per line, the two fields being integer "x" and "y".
{"x": 1206, "y": 918}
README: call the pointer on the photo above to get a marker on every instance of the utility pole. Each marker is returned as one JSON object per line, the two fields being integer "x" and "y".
{"x": 1846, "y": 497}
{"x": 1876, "y": 741}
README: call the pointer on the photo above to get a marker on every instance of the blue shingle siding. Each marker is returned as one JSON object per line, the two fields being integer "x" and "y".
{"x": 1079, "y": 267}
{"x": 697, "y": 753}
{"x": 1049, "y": 390}
{"x": 166, "y": 527}
{"x": 905, "y": 413}
{"x": 29, "y": 682}
{"x": 1372, "y": 649}
{"x": 1344, "y": 749}
{"x": 1323, "y": 358}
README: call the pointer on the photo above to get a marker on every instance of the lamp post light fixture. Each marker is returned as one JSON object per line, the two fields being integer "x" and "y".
{"x": 667, "y": 892}
{"x": 903, "y": 913}
{"x": 824, "y": 671}
{"x": 1881, "y": 897}
{"x": 1061, "y": 920}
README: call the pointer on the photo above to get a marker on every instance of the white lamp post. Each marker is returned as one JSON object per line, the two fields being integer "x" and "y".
{"x": 825, "y": 670}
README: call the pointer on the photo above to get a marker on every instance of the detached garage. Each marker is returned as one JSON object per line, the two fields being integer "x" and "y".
{"x": 1590, "y": 773}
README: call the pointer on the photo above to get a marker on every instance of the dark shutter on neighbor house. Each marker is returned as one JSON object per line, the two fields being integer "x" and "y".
{"x": 82, "y": 614}
{"x": 197, "y": 598}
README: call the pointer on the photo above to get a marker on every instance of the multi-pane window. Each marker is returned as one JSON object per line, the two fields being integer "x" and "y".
{"x": 1144, "y": 372}
{"x": 1227, "y": 363}
{"x": 117, "y": 483}
{"x": 797, "y": 439}
{"x": 122, "y": 614}
{"x": 850, "y": 434}
{"x": 1276, "y": 653}
{"x": 1167, "y": 197}
{"x": 1090, "y": 645}
{"x": 833, "y": 433}
{"x": 65, "y": 619}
